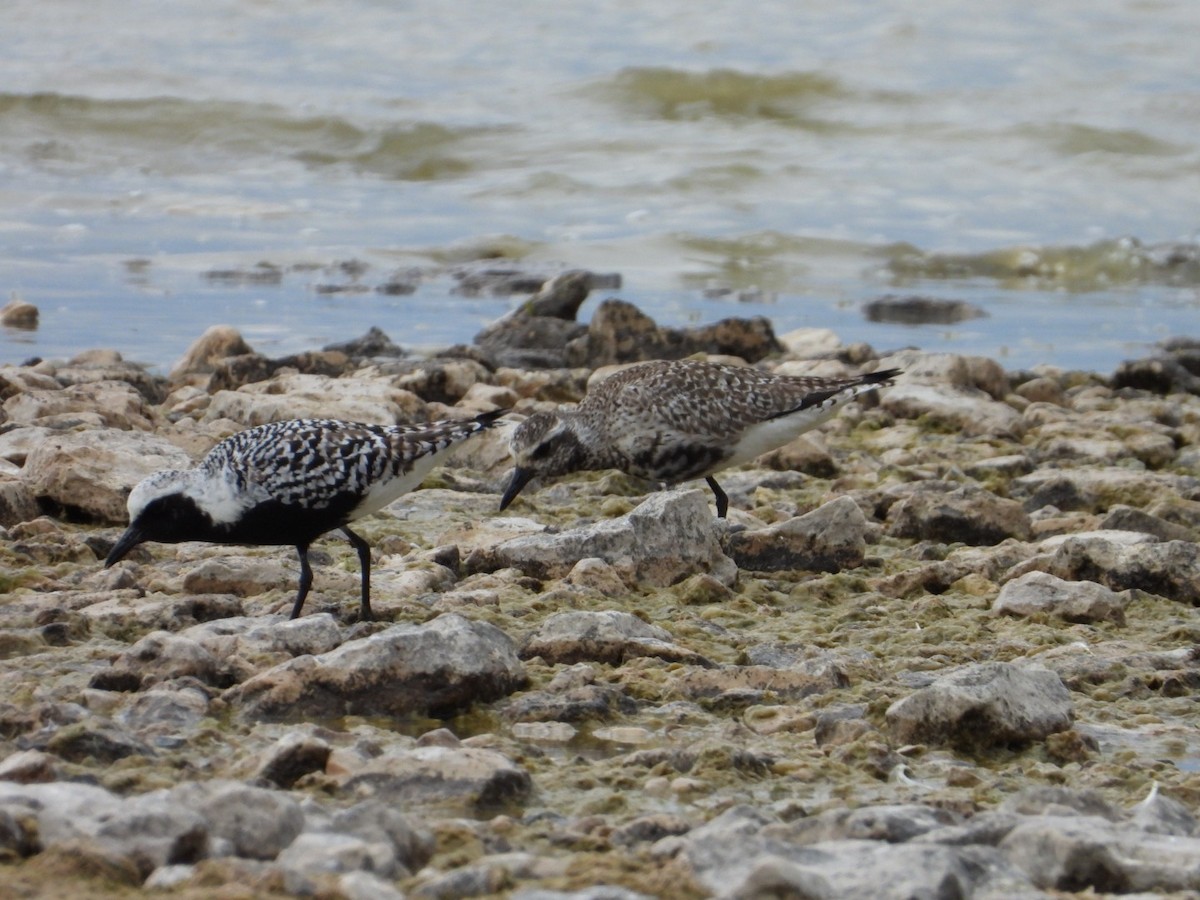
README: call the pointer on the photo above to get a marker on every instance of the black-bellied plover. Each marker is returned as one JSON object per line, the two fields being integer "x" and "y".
{"x": 671, "y": 421}
{"x": 287, "y": 483}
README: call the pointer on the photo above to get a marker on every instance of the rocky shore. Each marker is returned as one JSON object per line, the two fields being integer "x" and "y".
{"x": 944, "y": 646}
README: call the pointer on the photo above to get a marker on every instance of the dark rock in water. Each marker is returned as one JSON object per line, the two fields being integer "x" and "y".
{"x": 373, "y": 343}
{"x": 261, "y": 274}
{"x": 534, "y": 334}
{"x": 917, "y": 310}
{"x": 1159, "y": 374}
{"x": 500, "y": 280}
{"x": 621, "y": 333}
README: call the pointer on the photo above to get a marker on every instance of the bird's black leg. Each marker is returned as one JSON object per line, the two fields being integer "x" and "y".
{"x": 305, "y": 579}
{"x": 364, "y": 563}
{"x": 722, "y": 497}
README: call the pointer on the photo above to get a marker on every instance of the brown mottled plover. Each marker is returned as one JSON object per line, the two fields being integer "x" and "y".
{"x": 287, "y": 483}
{"x": 671, "y": 421}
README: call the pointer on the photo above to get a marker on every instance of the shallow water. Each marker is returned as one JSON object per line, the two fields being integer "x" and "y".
{"x": 1034, "y": 162}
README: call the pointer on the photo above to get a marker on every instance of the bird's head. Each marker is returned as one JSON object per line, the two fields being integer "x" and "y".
{"x": 161, "y": 508}
{"x": 545, "y": 444}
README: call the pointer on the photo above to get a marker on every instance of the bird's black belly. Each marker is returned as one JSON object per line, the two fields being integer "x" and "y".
{"x": 275, "y": 523}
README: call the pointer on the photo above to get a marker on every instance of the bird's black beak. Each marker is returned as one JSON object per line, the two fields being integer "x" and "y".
{"x": 130, "y": 539}
{"x": 520, "y": 478}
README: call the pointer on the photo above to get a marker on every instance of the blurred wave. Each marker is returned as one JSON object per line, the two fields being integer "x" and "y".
{"x": 177, "y": 136}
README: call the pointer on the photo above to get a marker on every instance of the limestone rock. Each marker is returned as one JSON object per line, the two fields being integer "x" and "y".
{"x": 608, "y": 636}
{"x": 161, "y": 655}
{"x": 1072, "y": 853}
{"x": 473, "y": 778}
{"x": 253, "y": 635}
{"x": 113, "y": 404}
{"x": 1170, "y": 569}
{"x": 93, "y": 471}
{"x": 296, "y": 396}
{"x": 668, "y": 537}
{"x": 247, "y": 821}
{"x": 1039, "y": 593}
{"x": 828, "y": 539}
{"x": 968, "y": 410}
{"x": 436, "y": 668}
{"x": 942, "y": 512}
{"x": 984, "y": 705}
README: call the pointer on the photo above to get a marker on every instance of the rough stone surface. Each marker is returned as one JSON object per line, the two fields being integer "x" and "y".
{"x": 828, "y": 539}
{"x": 609, "y": 637}
{"x": 942, "y": 512}
{"x": 984, "y": 705}
{"x": 1170, "y": 569}
{"x": 436, "y": 668}
{"x": 92, "y": 472}
{"x": 1039, "y": 593}
{"x": 670, "y": 536}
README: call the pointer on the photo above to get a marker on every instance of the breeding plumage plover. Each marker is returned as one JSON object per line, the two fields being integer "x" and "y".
{"x": 287, "y": 483}
{"x": 674, "y": 421}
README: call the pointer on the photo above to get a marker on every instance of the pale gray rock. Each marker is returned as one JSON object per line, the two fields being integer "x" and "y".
{"x": 361, "y": 885}
{"x": 298, "y": 396}
{"x": 1159, "y": 814}
{"x": 1073, "y": 853}
{"x": 984, "y": 705}
{"x": 437, "y": 667}
{"x": 165, "y": 716}
{"x": 470, "y": 778}
{"x": 1170, "y": 569}
{"x": 161, "y": 655}
{"x": 894, "y": 824}
{"x": 595, "y": 892}
{"x": 968, "y": 410}
{"x": 831, "y": 538}
{"x": 243, "y": 821}
{"x": 378, "y": 822}
{"x": 250, "y": 576}
{"x": 948, "y": 513}
{"x": 607, "y": 636}
{"x": 324, "y": 852}
{"x": 112, "y": 404}
{"x": 736, "y": 856}
{"x": 93, "y": 471}
{"x": 148, "y": 829}
{"x": 1039, "y": 593}
{"x": 669, "y": 536}
{"x": 1098, "y": 488}
{"x": 247, "y": 635}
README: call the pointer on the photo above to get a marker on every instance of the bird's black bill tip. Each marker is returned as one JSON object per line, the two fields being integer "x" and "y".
{"x": 520, "y": 478}
{"x": 126, "y": 542}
